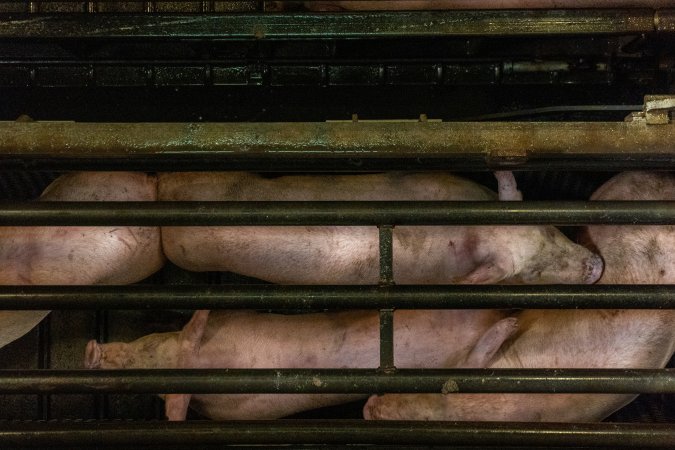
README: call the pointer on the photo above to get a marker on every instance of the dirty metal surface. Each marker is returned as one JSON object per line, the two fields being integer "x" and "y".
{"x": 112, "y": 6}
{"x": 298, "y": 146}
{"x": 346, "y": 25}
{"x": 338, "y": 381}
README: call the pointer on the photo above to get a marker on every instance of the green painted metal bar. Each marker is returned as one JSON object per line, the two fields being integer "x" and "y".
{"x": 334, "y": 213}
{"x": 119, "y": 434}
{"x": 338, "y": 297}
{"x": 329, "y": 26}
{"x": 338, "y": 381}
{"x": 359, "y": 146}
{"x": 386, "y": 279}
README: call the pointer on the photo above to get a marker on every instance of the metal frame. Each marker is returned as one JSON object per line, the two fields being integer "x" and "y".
{"x": 391, "y": 433}
{"x": 338, "y": 146}
{"x": 68, "y": 143}
{"x": 342, "y": 25}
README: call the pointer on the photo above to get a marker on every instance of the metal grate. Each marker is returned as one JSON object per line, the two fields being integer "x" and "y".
{"x": 202, "y": 47}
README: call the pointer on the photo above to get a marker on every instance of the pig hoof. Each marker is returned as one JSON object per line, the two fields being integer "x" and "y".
{"x": 92, "y": 355}
{"x": 594, "y": 268}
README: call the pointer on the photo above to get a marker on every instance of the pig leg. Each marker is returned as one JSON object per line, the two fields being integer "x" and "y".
{"x": 176, "y": 405}
{"x": 490, "y": 342}
{"x": 507, "y": 186}
{"x": 424, "y": 406}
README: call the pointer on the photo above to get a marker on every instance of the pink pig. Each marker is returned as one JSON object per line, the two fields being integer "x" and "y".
{"x": 79, "y": 255}
{"x": 575, "y": 338}
{"x": 244, "y": 339}
{"x": 349, "y": 254}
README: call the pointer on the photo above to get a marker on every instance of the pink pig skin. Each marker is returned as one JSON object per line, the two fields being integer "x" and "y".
{"x": 349, "y": 254}
{"x": 225, "y": 339}
{"x": 79, "y": 255}
{"x": 576, "y": 339}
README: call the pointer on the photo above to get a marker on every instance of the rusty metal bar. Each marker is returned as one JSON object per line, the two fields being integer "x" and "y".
{"x": 341, "y": 25}
{"x": 267, "y": 213}
{"x": 280, "y": 297}
{"x": 338, "y": 381}
{"x": 118, "y": 434}
{"x": 337, "y": 146}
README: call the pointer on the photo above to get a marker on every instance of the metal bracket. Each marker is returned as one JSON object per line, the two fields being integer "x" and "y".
{"x": 656, "y": 110}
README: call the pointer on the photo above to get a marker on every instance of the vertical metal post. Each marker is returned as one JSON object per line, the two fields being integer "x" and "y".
{"x": 101, "y": 400}
{"x": 208, "y": 6}
{"x": 91, "y": 7}
{"x": 33, "y": 7}
{"x": 386, "y": 315}
{"x": 44, "y": 350}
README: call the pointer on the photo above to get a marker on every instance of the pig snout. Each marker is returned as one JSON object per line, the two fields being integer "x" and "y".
{"x": 594, "y": 268}
{"x": 92, "y": 355}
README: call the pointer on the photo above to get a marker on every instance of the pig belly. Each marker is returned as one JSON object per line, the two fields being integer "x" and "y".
{"x": 79, "y": 255}
{"x": 391, "y": 5}
{"x": 263, "y": 407}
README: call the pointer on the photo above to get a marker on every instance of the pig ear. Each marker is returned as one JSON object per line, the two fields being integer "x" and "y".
{"x": 190, "y": 337}
{"x": 176, "y": 406}
{"x": 485, "y": 273}
{"x": 490, "y": 342}
{"x": 507, "y": 186}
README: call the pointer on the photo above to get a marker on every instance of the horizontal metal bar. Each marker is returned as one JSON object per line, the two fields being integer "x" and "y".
{"x": 280, "y": 297}
{"x": 334, "y": 432}
{"x": 335, "y": 213}
{"x": 336, "y": 146}
{"x": 328, "y": 25}
{"x": 338, "y": 381}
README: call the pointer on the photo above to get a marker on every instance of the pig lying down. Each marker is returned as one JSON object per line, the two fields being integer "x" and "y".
{"x": 79, "y": 255}
{"x": 435, "y": 339}
{"x": 392, "y": 5}
{"x": 349, "y": 254}
{"x": 575, "y": 339}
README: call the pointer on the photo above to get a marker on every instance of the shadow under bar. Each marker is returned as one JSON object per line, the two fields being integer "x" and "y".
{"x": 338, "y": 381}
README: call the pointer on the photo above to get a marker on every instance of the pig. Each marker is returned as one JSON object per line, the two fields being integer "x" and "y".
{"x": 575, "y": 338}
{"x": 79, "y": 255}
{"x": 349, "y": 254}
{"x": 387, "y": 5}
{"x": 245, "y": 339}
